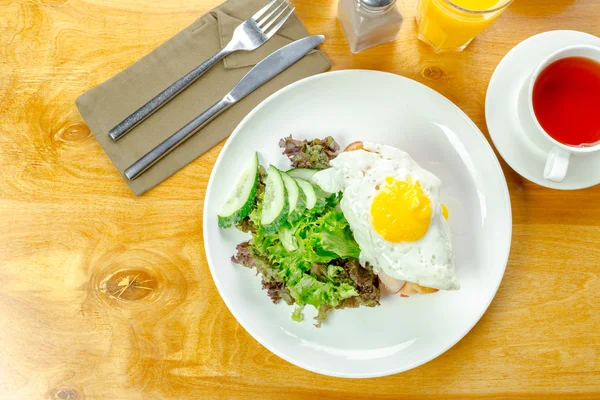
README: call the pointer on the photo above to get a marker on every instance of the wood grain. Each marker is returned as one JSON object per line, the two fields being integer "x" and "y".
{"x": 107, "y": 296}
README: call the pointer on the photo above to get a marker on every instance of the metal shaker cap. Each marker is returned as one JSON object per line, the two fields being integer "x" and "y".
{"x": 377, "y": 3}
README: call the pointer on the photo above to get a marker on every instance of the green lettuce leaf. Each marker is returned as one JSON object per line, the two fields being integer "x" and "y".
{"x": 311, "y": 261}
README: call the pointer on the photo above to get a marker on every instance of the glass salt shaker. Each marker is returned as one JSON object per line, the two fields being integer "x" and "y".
{"x": 368, "y": 23}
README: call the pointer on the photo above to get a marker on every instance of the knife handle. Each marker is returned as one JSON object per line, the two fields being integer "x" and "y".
{"x": 164, "y": 97}
{"x": 173, "y": 141}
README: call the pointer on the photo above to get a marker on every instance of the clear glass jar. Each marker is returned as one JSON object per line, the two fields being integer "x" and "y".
{"x": 368, "y": 23}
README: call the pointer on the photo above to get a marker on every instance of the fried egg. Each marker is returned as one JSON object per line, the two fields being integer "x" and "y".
{"x": 395, "y": 213}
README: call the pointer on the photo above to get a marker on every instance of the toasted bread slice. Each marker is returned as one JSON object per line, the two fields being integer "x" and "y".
{"x": 410, "y": 289}
{"x": 354, "y": 146}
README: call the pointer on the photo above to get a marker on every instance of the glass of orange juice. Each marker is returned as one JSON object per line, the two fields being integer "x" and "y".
{"x": 450, "y": 25}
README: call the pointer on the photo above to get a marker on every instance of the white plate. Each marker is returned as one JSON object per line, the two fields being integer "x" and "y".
{"x": 510, "y": 124}
{"x": 402, "y": 333}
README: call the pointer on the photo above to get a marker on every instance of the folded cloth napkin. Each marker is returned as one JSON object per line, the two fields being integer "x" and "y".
{"x": 106, "y": 105}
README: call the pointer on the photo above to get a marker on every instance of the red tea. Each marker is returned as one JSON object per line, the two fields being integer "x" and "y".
{"x": 566, "y": 101}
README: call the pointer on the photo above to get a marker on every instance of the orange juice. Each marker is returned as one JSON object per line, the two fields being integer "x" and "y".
{"x": 450, "y": 25}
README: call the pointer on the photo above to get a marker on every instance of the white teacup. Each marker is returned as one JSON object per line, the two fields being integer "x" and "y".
{"x": 559, "y": 156}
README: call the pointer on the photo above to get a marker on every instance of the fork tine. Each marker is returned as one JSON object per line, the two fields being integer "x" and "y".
{"x": 263, "y": 10}
{"x": 267, "y": 17}
{"x": 270, "y": 32}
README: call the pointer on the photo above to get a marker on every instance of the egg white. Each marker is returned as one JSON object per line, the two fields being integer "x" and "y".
{"x": 358, "y": 174}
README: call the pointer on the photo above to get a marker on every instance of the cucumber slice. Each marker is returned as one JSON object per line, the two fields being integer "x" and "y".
{"x": 275, "y": 203}
{"x": 296, "y": 197}
{"x": 241, "y": 200}
{"x": 303, "y": 173}
{"x": 322, "y": 197}
{"x": 309, "y": 192}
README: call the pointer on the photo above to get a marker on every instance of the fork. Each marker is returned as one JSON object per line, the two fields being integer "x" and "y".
{"x": 248, "y": 36}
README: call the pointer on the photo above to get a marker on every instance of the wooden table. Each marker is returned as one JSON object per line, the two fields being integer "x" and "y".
{"x": 81, "y": 258}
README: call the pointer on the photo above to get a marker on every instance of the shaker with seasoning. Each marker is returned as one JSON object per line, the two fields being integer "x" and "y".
{"x": 368, "y": 23}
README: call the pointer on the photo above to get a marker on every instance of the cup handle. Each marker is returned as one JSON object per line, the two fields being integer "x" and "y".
{"x": 557, "y": 165}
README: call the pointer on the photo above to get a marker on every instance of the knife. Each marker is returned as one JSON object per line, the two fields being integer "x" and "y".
{"x": 262, "y": 72}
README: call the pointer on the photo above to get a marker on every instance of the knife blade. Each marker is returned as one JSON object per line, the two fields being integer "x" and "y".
{"x": 273, "y": 65}
{"x": 264, "y": 71}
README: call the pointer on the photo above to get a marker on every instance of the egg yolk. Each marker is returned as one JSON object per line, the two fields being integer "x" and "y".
{"x": 401, "y": 211}
{"x": 445, "y": 211}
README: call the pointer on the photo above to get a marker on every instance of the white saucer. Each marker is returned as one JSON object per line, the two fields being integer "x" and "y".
{"x": 510, "y": 124}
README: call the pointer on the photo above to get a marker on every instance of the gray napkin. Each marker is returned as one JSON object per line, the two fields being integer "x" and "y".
{"x": 106, "y": 105}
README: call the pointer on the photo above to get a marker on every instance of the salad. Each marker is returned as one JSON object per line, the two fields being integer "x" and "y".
{"x": 301, "y": 244}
